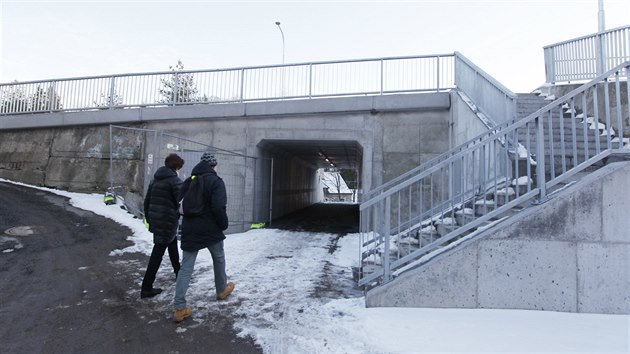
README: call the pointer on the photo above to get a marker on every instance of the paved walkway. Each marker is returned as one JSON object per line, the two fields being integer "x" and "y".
{"x": 63, "y": 293}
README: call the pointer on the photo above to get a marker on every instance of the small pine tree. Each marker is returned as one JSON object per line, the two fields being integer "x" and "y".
{"x": 44, "y": 100}
{"x": 180, "y": 87}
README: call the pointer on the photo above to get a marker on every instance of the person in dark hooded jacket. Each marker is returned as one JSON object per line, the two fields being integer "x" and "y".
{"x": 161, "y": 212}
{"x": 203, "y": 231}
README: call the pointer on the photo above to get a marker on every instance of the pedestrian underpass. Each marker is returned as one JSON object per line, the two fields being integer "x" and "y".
{"x": 297, "y": 195}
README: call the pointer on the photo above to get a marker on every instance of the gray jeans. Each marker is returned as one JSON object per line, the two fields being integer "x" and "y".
{"x": 187, "y": 267}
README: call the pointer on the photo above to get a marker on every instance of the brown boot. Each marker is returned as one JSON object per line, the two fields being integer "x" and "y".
{"x": 181, "y": 314}
{"x": 225, "y": 293}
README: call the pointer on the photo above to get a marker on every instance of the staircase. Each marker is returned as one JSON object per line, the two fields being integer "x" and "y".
{"x": 476, "y": 186}
{"x": 528, "y": 103}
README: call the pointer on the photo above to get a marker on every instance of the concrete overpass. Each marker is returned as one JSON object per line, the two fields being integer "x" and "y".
{"x": 379, "y": 136}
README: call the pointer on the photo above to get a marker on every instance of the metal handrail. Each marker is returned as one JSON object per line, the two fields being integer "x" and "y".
{"x": 309, "y": 80}
{"x": 586, "y": 57}
{"x": 531, "y": 156}
{"x": 491, "y": 97}
{"x": 376, "y": 76}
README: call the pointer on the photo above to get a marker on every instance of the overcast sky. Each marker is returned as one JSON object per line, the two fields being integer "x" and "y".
{"x": 56, "y": 39}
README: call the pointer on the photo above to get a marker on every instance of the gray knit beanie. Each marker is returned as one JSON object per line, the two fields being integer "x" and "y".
{"x": 209, "y": 158}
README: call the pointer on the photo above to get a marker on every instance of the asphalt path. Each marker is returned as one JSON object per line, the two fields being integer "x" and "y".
{"x": 61, "y": 291}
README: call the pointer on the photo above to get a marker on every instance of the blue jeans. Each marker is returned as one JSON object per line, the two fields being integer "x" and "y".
{"x": 187, "y": 267}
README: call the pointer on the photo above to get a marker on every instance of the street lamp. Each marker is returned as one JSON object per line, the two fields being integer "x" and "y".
{"x": 282, "y": 33}
{"x": 601, "y": 26}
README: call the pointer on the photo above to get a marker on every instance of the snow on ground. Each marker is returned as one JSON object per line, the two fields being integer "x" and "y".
{"x": 277, "y": 273}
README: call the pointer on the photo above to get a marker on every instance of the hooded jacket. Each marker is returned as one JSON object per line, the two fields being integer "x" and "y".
{"x": 161, "y": 203}
{"x": 202, "y": 231}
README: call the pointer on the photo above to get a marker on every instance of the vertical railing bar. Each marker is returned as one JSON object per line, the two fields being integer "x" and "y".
{"x": 562, "y": 142}
{"x": 585, "y": 126}
{"x": 409, "y": 214}
{"x": 464, "y": 180}
{"x": 517, "y": 160}
{"x": 552, "y": 162}
{"x": 528, "y": 155}
{"x": 386, "y": 266}
{"x": 483, "y": 173}
{"x": 438, "y": 74}
{"x": 495, "y": 170}
{"x": 310, "y": 80}
{"x": 607, "y": 114}
{"x": 597, "y": 122}
{"x": 242, "y": 85}
{"x": 507, "y": 167}
{"x": 540, "y": 157}
{"x": 398, "y": 200}
{"x": 628, "y": 80}
{"x": 573, "y": 133}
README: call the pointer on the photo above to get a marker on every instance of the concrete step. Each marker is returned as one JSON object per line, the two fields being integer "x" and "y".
{"x": 528, "y": 103}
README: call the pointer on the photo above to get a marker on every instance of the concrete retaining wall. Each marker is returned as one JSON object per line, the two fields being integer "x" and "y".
{"x": 74, "y": 159}
{"x": 570, "y": 254}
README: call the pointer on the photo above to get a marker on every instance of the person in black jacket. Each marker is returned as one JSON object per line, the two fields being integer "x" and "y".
{"x": 161, "y": 212}
{"x": 203, "y": 231}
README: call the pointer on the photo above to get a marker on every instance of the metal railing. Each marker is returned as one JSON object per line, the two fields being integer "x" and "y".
{"x": 586, "y": 57}
{"x": 379, "y": 76}
{"x": 496, "y": 101}
{"x": 470, "y": 186}
{"x": 274, "y": 82}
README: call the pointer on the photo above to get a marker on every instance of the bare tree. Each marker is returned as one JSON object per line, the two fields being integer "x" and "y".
{"x": 14, "y": 100}
{"x": 112, "y": 100}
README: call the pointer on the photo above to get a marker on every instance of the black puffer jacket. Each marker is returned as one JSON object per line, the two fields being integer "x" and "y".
{"x": 206, "y": 229}
{"x": 160, "y": 205}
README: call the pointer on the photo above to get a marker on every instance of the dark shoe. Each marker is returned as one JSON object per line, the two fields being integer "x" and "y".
{"x": 179, "y": 315}
{"x": 150, "y": 293}
{"x": 225, "y": 293}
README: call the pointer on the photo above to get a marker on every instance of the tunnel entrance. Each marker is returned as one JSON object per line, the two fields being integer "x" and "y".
{"x": 301, "y": 200}
{"x": 333, "y": 218}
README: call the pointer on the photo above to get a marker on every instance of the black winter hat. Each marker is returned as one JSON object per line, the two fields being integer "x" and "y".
{"x": 209, "y": 158}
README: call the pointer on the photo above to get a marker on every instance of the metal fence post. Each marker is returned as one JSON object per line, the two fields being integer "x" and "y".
{"x": 310, "y": 80}
{"x": 438, "y": 75}
{"x": 51, "y": 96}
{"x": 385, "y": 233}
{"x": 111, "y": 92}
{"x": 599, "y": 54}
{"x": 540, "y": 158}
{"x": 382, "y": 74}
{"x": 175, "y": 87}
{"x": 242, "y": 84}
{"x": 550, "y": 65}
{"x": 111, "y": 159}
{"x": 271, "y": 194}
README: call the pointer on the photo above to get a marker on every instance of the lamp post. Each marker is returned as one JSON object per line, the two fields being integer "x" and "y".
{"x": 282, "y": 73}
{"x": 601, "y": 25}
{"x": 282, "y": 33}
{"x": 600, "y": 57}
